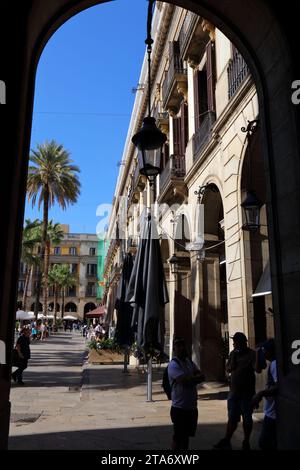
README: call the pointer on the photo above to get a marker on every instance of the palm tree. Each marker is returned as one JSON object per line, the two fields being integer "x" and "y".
{"x": 65, "y": 279}
{"x": 30, "y": 239}
{"x": 52, "y": 178}
{"x": 55, "y": 279}
{"x": 54, "y": 236}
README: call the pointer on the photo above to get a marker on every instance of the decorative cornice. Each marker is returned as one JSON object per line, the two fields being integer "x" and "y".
{"x": 207, "y": 26}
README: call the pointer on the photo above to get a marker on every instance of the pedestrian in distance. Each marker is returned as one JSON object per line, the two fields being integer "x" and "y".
{"x": 184, "y": 376}
{"x": 23, "y": 349}
{"x": 241, "y": 367}
{"x": 268, "y": 438}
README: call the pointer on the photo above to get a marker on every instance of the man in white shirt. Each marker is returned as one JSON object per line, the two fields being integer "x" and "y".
{"x": 184, "y": 376}
{"x": 268, "y": 438}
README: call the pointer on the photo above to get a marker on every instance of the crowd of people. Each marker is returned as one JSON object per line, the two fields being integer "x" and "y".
{"x": 184, "y": 375}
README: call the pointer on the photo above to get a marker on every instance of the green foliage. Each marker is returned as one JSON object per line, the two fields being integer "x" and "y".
{"x": 52, "y": 175}
{"x": 104, "y": 344}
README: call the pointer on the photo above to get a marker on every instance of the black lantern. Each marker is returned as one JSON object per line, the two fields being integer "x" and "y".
{"x": 251, "y": 207}
{"x": 251, "y": 204}
{"x": 149, "y": 140}
{"x": 174, "y": 261}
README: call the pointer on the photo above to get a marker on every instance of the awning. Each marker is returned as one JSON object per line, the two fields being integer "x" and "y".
{"x": 97, "y": 312}
{"x": 70, "y": 317}
{"x": 21, "y": 315}
{"x": 264, "y": 285}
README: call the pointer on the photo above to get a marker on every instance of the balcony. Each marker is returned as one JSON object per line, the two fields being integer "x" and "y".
{"x": 192, "y": 39}
{"x": 162, "y": 119}
{"x": 71, "y": 292}
{"x": 91, "y": 275}
{"x": 138, "y": 183}
{"x": 203, "y": 134}
{"x": 237, "y": 71}
{"x": 175, "y": 82}
{"x": 91, "y": 292}
{"x": 172, "y": 177}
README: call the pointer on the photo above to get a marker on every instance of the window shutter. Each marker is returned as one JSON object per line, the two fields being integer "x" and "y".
{"x": 196, "y": 99}
{"x": 177, "y": 135}
{"x": 184, "y": 127}
{"x": 202, "y": 91}
{"x": 210, "y": 70}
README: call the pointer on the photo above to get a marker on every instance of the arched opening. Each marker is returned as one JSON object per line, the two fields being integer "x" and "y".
{"x": 273, "y": 59}
{"x": 182, "y": 281}
{"x": 89, "y": 307}
{"x": 71, "y": 307}
{"x": 40, "y": 307}
{"x": 51, "y": 307}
{"x": 213, "y": 309}
{"x": 256, "y": 247}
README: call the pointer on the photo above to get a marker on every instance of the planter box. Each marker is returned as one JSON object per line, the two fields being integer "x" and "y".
{"x": 105, "y": 357}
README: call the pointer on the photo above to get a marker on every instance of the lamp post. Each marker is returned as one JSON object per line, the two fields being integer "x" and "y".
{"x": 251, "y": 204}
{"x": 149, "y": 139}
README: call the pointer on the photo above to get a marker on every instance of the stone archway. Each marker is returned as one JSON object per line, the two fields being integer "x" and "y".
{"x": 71, "y": 307}
{"x": 213, "y": 305}
{"x": 256, "y": 248}
{"x": 273, "y": 58}
{"x": 182, "y": 281}
{"x": 89, "y": 307}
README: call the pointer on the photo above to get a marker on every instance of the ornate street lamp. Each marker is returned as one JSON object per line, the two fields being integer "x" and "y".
{"x": 173, "y": 262}
{"x": 251, "y": 204}
{"x": 149, "y": 139}
{"x": 251, "y": 207}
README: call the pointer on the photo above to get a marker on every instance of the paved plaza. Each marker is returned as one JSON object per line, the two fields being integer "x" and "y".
{"x": 72, "y": 405}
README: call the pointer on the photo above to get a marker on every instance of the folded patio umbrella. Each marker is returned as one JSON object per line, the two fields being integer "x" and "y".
{"x": 147, "y": 291}
{"x": 124, "y": 334}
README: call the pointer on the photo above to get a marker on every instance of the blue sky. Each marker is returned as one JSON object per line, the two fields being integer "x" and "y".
{"x": 83, "y": 99}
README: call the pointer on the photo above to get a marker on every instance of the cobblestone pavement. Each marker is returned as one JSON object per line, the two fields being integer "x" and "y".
{"x": 69, "y": 404}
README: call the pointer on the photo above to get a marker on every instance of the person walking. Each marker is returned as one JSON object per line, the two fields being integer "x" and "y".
{"x": 241, "y": 366}
{"x": 268, "y": 438}
{"x": 23, "y": 348}
{"x": 184, "y": 376}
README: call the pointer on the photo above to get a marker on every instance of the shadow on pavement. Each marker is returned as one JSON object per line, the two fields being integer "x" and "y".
{"x": 133, "y": 438}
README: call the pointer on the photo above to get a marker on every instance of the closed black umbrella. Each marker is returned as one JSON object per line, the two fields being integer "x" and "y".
{"x": 147, "y": 291}
{"x": 124, "y": 334}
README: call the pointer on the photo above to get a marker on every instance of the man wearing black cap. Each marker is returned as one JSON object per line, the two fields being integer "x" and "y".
{"x": 241, "y": 366}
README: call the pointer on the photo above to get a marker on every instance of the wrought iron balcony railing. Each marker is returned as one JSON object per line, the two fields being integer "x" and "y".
{"x": 186, "y": 30}
{"x": 203, "y": 134}
{"x": 175, "y": 168}
{"x": 175, "y": 73}
{"x": 237, "y": 71}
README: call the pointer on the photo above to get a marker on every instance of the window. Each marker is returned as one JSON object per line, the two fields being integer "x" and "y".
{"x": 73, "y": 268}
{"x": 71, "y": 291}
{"x": 21, "y": 285}
{"x": 92, "y": 251}
{"x": 23, "y": 268}
{"x": 91, "y": 290}
{"x": 91, "y": 270}
{"x": 72, "y": 250}
{"x": 57, "y": 250}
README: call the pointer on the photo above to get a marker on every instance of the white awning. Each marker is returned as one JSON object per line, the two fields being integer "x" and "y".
{"x": 264, "y": 285}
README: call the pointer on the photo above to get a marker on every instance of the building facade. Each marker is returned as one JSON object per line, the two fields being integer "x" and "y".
{"x": 80, "y": 252}
{"x": 203, "y": 99}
